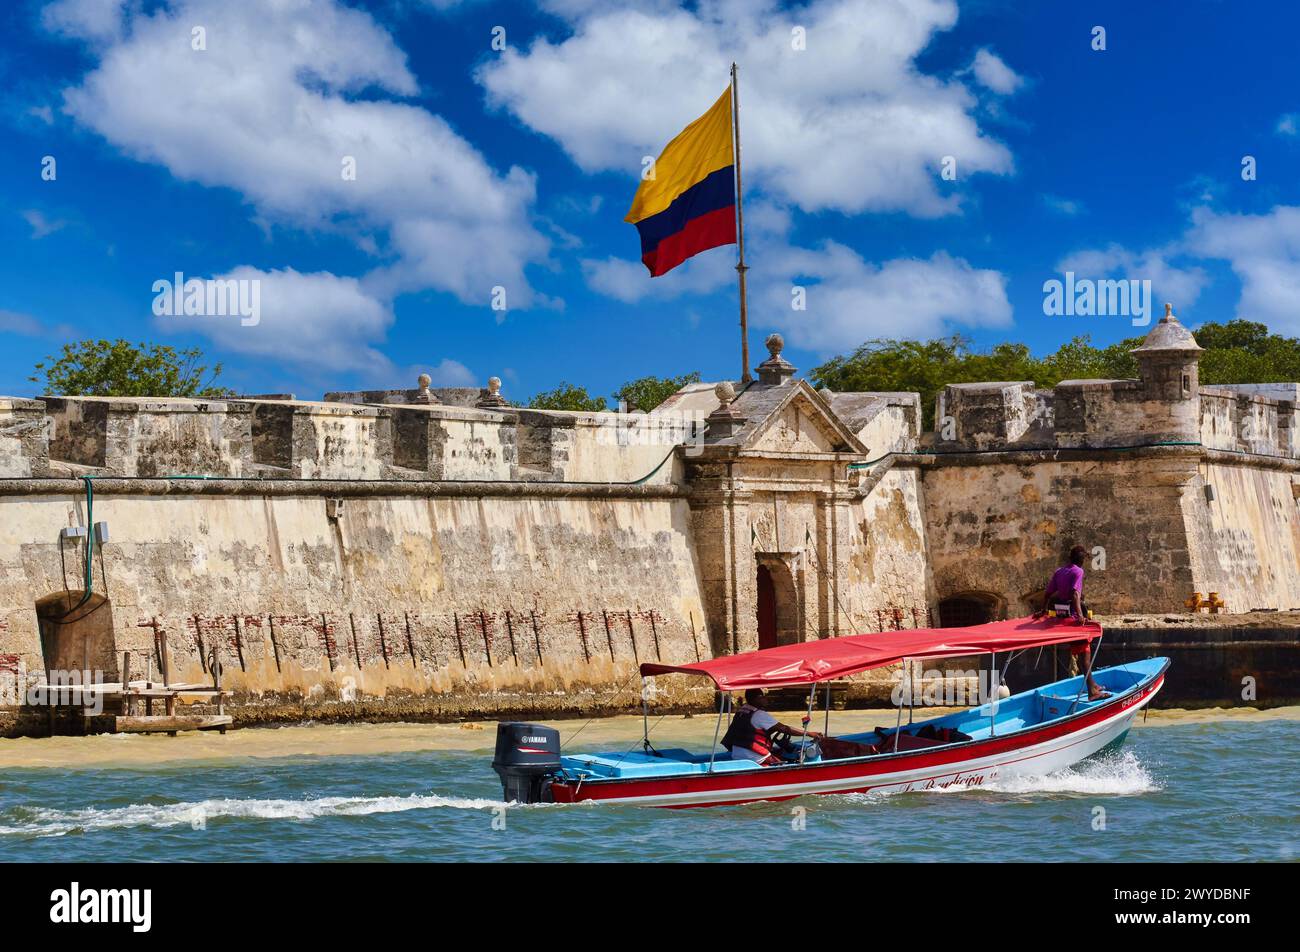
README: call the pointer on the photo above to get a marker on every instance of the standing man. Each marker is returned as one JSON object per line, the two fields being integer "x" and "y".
{"x": 1064, "y": 596}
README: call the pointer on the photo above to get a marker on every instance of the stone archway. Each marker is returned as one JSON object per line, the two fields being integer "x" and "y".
{"x": 969, "y": 608}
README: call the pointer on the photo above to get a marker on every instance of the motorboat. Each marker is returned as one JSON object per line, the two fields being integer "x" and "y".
{"x": 1034, "y": 732}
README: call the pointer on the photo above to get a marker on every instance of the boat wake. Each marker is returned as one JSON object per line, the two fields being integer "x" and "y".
{"x": 1121, "y": 774}
{"x": 37, "y": 821}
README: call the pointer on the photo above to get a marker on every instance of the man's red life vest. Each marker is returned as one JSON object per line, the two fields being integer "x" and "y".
{"x": 743, "y": 734}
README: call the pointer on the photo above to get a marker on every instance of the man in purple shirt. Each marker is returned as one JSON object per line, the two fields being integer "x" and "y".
{"x": 1065, "y": 593}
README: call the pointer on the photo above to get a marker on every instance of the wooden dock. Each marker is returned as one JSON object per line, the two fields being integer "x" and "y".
{"x": 136, "y": 699}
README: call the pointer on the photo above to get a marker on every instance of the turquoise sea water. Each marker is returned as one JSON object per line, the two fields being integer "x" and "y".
{"x": 1214, "y": 791}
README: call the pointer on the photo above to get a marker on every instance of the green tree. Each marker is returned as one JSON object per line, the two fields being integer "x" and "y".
{"x": 104, "y": 368}
{"x": 567, "y": 397}
{"x": 646, "y": 393}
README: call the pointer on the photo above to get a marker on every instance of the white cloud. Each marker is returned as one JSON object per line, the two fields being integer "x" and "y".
{"x": 40, "y": 225}
{"x": 1289, "y": 124}
{"x": 99, "y": 21}
{"x": 850, "y": 300}
{"x": 273, "y": 108}
{"x": 1264, "y": 253}
{"x": 849, "y": 123}
{"x": 1181, "y": 285}
{"x": 1063, "y": 206}
{"x": 629, "y": 282}
{"x": 452, "y": 373}
{"x": 318, "y": 321}
{"x": 992, "y": 73}
{"x": 14, "y": 322}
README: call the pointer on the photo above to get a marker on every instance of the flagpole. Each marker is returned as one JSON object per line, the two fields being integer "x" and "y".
{"x": 741, "y": 268}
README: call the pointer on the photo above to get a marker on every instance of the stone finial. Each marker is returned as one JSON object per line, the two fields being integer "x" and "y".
{"x": 422, "y": 394}
{"x": 726, "y": 419}
{"x": 492, "y": 400}
{"x": 1169, "y": 313}
{"x": 776, "y": 369}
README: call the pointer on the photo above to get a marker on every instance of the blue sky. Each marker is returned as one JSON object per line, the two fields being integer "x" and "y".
{"x": 479, "y": 168}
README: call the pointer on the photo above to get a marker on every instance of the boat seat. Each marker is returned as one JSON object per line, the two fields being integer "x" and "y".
{"x": 906, "y": 741}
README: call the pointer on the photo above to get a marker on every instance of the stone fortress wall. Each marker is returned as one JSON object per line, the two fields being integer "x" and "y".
{"x": 440, "y": 553}
{"x": 1185, "y": 488}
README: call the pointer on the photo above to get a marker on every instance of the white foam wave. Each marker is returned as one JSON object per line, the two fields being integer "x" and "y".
{"x": 1120, "y": 775}
{"x": 45, "y": 822}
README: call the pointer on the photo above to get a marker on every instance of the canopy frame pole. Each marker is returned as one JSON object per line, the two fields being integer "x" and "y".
{"x": 898, "y": 724}
{"x": 812, "y": 696}
{"x": 645, "y": 717}
{"x": 992, "y": 701}
{"x": 723, "y": 698}
{"x": 826, "y": 727}
{"x": 911, "y": 692}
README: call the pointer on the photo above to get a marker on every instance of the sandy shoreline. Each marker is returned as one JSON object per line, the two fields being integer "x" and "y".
{"x": 349, "y": 740}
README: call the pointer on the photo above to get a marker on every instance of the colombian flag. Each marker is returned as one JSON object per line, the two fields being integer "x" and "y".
{"x": 690, "y": 204}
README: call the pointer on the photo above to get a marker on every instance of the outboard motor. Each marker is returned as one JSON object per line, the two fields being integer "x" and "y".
{"x": 527, "y": 756}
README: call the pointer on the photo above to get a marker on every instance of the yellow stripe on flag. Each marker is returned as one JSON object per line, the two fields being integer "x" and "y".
{"x": 701, "y": 148}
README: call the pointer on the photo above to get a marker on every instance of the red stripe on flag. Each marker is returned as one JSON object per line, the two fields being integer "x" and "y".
{"x": 699, "y": 234}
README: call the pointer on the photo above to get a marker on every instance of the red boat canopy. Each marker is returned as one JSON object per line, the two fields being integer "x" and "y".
{"x": 812, "y": 661}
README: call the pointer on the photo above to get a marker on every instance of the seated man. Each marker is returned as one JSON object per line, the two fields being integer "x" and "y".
{"x": 749, "y": 735}
{"x": 1064, "y": 596}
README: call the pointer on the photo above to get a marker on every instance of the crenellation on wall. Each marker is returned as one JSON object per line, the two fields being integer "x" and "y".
{"x": 986, "y": 416}
{"x": 147, "y": 436}
{"x": 1249, "y": 419}
{"x": 304, "y": 439}
{"x": 24, "y": 438}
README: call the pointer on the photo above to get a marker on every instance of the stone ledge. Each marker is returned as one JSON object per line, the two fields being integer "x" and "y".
{"x": 217, "y": 486}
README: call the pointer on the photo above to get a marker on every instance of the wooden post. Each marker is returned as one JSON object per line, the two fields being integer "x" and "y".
{"x": 537, "y": 637}
{"x": 126, "y": 682}
{"x": 216, "y": 683}
{"x": 275, "y": 645}
{"x": 410, "y": 645}
{"x": 604, "y": 613}
{"x": 383, "y": 643}
{"x": 460, "y": 644}
{"x": 510, "y": 630}
{"x": 239, "y": 644}
{"x": 198, "y": 640}
{"x": 163, "y": 658}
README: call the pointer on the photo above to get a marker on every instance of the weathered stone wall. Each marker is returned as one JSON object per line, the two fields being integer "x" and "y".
{"x": 889, "y": 580}
{"x": 1244, "y": 541}
{"x": 549, "y": 596}
{"x": 1162, "y": 536}
{"x": 1001, "y": 527}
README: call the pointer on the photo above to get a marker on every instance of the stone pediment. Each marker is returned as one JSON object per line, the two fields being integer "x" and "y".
{"x": 794, "y": 420}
